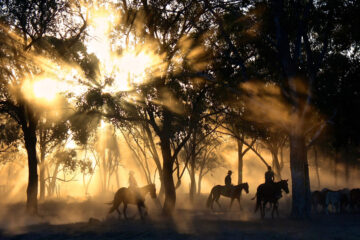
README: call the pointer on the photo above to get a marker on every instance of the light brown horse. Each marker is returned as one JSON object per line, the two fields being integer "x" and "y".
{"x": 219, "y": 190}
{"x": 129, "y": 196}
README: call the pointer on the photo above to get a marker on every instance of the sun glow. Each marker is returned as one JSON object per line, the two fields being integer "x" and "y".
{"x": 127, "y": 69}
{"x": 46, "y": 89}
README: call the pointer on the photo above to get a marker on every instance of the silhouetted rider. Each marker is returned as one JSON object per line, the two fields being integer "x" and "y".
{"x": 132, "y": 180}
{"x": 228, "y": 184}
{"x": 269, "y": 179}
{"x": 228, "y": 178}
{"x": 133, "y": 186}
{"x": 269, "y": 175}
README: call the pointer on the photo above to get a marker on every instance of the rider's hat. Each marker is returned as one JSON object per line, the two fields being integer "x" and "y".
{"x": 229, "y": 172}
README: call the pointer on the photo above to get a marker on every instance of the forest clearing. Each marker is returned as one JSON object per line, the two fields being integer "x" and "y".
{"x": 150, "y": 119}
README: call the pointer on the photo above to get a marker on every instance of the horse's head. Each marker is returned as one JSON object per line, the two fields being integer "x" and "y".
{"x": 246, "y": 187}
{"x": 152, "y": 190}
{"x": 284, "y": 185}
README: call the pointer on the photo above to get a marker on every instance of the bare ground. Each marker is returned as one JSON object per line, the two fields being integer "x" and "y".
{"x": 88, "y": 220}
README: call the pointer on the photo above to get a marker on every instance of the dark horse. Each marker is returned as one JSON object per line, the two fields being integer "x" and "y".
{"x": 270, "y": 193}
{"x": 127, "y": 196}
{"x": 234, "y": 193}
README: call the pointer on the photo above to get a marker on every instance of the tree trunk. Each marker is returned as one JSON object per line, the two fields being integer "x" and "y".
{"x": 42, "y": 181}
{"x": 276, "y": 163}
{"x": 317, "y": 167}
{"x": 155, "y": 157}
{"x": 192, "y": 168}
{"x": 169, "y": 187}
{"x": 29, "y": 130}
{"x": 199, "y": 182}
{"x": 337, "y": 157}
{"x": 192, "y": 182}
{"x": 52, "y": 184}
{"x": 301, "y": 201}
{"x": 240, "y": 161}
{"x": 42, "y": 175}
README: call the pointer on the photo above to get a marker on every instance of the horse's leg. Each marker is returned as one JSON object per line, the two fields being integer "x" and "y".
{"x": 124, "y": 210}
{"x": 231, "y": 202}
{"x": 238, "y": 199}
{"x": 212, "y": 202}
{"x": 117, "y": 209}
{"x": 146, "y": 210}
{"x": 326, "y": 209}
{"x": 277, "y": 209}
{"x": 217, "y": 201}
{"x": 338, "y": 207}
{"x": 140, "y": 212}
{"x": 263, "y": 209}
{"x": 215, "y": 198}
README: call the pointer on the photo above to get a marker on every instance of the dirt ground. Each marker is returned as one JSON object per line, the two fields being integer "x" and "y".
{"x": 89, "y": 220}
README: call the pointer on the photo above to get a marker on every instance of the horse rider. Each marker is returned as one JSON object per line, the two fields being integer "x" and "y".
{"x": 133, "y": 186}
{"x": 269, "y": 180}
{"x": 132, "y": 180}
{"x": 269, "y": 176}
{"x": 228, "y": 184}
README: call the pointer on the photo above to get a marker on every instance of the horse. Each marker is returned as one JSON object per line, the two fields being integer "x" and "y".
{"x": 128, "y": 196}
{"x": 233, "y": 193}
{"x": 318, "y": 198}
{"x": 344, "y": 199}
{"x": 270, "y": 193}
{"x": 333, "y": 198}
{"x": 355, "y": 198}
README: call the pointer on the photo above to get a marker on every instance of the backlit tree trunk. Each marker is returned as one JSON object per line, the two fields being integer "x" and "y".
{"x": 155, "y": 156}
{"x": 192, "y": 182}
{"x": 199, "y": 182}
{"x": 29, "y": 130}
{"x": 42, "y": 176}
{"x": 192, "y": 168}
{"x": 276, "y": 163}
{"x": 300, "y": 176}
{"x": 169, "y": 187}
{"x": 240, "y": 161}
{"x": 317, "y": 167}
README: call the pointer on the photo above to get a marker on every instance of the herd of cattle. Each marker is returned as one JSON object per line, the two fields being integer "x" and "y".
{"x": 343, "y": 200}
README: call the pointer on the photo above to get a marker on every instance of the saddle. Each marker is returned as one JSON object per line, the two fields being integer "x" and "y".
{"x": 268, "y": 189}
{"x": 136, "y": 193}
{"x": 228, "y": 189}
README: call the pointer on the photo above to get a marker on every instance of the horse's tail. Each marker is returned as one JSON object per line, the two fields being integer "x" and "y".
{"x": 113, "y": 208}
{"x": 115, "y": 203}
{"x": 210, "y": 198}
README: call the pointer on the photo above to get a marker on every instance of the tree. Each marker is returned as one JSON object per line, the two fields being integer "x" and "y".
{"x": 108, "y": 161}
{"x": 64, "y": 161}
{"x": 298, "y": 34}
{"x": 24, "y": 24}
{"x": 138, "y": 141}
{"x": 51, "y": 133}
{"x": 169, "y": 101}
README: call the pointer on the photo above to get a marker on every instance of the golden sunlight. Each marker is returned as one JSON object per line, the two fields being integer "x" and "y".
{"x": 128, "y": 69}
{"x": 132, "y": 68}
{"x": 45, "y": 89}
